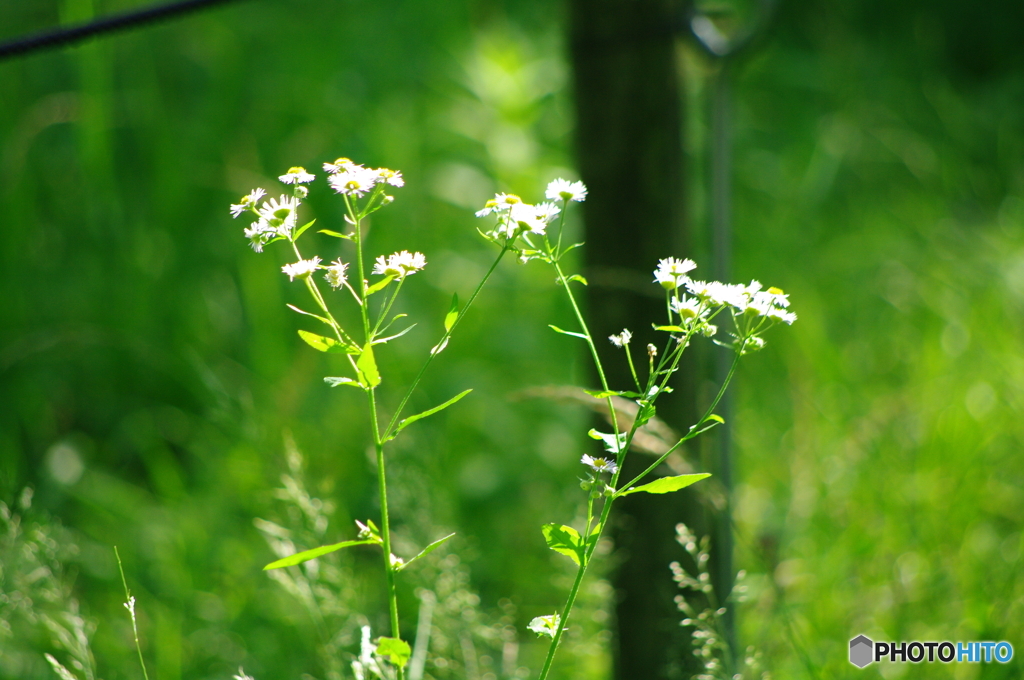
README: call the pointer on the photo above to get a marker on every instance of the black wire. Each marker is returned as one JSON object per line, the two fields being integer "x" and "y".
{"x": 66, "y": 36}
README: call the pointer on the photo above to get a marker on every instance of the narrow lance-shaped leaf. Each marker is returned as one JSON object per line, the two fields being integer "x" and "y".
{"x": 453, "y": 313}
{"x": 380, "y": 285}
{"x": 334, "y": 234}
{"x": 429, "y": 412}
{"x": 322, "y": 344}
{"x": 302, "y": 311}
{"x": 306, "y": 555}
{"x": 559, "y": 330}
{"x": 426, "y": 551}
{"x": 397, "y": 651}
{"x": 342, "y": 380}
{"x": 603, "y": 394}
{"x": 367, "y": 366}
{"x": 381, "y": 341}
{"x": 302, "y": 229}
{"x": 666, "y": 484}
{"x": 563, "y": 539}
{"x": 578, "y": 277}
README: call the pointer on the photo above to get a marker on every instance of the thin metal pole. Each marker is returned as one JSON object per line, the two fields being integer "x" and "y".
{"x": 68, "y": 36}
{"x": 721, "y": 254}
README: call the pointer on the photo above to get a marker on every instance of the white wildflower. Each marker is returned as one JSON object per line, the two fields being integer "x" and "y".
{"x": 622, "y": 339}
{"x": 499, "y": 204}
{"x": 671, "y": 272}
{"x": 400, "y": 265}
{"x": 337, "y": 274}
{"x": 599, "y": 464}
{"x": 392, "y": 177}
{"x": 301, "y": 268}
{"x": 279, "y": 215}
{"x": 339, "y": 165}
{"x": 248, "y": 201}
{"x": 297, "y": 175}
{"x": 354, "y": 180}
{"x": 565, "y": 190}
{"x": 686, "y": 308}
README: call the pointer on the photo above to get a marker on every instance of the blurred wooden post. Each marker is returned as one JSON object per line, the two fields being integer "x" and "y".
{"x": 629, "y": 150}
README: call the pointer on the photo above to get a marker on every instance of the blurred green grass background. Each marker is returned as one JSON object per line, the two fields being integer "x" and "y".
{"x": 151, "y": 376}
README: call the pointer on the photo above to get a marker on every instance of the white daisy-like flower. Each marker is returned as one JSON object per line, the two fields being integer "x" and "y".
{"x": 337, "y": 274}
{"x": 280, "y": 214}
{"x": 247, "y": 201}
{"x": 339, "y": 165}
{"x": 354, "y": 180}
{"x": 400, "y": 265}
{"x": 565, "y": 190}
{"x": 686, "y": 308}
{"x": 532, "y": 218}
{"x": 392, "y": 177}
{"x": 717, "y": 293}
{"x": 297, "y": 175}
{"x": 599, "y": 464}
{"x": 622, "y": 339}
{"x": 547, "y": 211}
{"x": 499, "y": 204}
{"x": 301, "y": 268}
{"x": 672, "y": 271}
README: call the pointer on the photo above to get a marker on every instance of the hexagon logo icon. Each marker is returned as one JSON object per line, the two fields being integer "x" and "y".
{"x": 861, "y": 648}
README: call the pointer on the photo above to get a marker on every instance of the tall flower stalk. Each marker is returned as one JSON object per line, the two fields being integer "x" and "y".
{"x": 364, "y": 191}
{"x": 691, "y": 306}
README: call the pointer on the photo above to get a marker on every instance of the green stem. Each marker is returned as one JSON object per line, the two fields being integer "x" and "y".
{"x": 390, "y": 429}
{"x": 693, "y": 430}
{"x": 378, "y": 442}
{"x": 131, "y": 609}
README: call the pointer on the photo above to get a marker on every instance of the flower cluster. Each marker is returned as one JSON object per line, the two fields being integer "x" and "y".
{"x": 352, "y": 179}
{"x": 400, "y": 265}
{"x": 692, "y": 304}
{"x": 278, "y": 217}
{"x": 517, "y": 218}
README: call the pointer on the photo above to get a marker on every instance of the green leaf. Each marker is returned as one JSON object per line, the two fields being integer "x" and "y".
{"x": 645, "y": 413}
{"x": 717, "y": 419}
{"x": 319, "y": 342}
{"x": 380, "y": 285}
{"x": 603, "y": 394}
{"x": 334, "y": 382}
{"x": 369, "y": 376}
{"x": 302, "y": 229}
{"x": 306, "y": 555}
{"x": 399, "y": 334}
{"x": 559, "y": 330}
{"x": 426, "y": 551}
{"x": 315, "y": 316}
{"x": 563, "y": 539}
{"x": 666, "y": 484}
{"x": 670, "y": 329}
{"x": 335, "y": 234}
{"x": 412, "y": 419}
{"x": 397, "y": 651}
{"x": 609, "y": 440}
{"x": 453, "y": 313}
{"x": 577, "y": 277}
